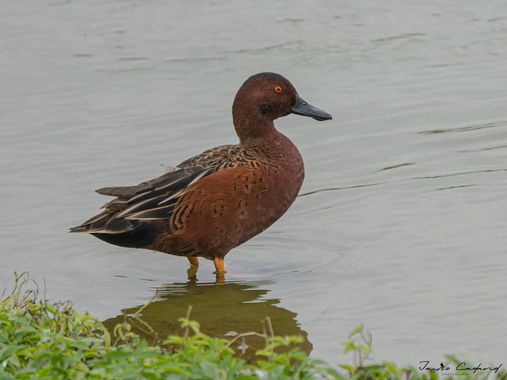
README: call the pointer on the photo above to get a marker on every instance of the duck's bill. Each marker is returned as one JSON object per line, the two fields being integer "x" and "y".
{"x": 305, "y": 109}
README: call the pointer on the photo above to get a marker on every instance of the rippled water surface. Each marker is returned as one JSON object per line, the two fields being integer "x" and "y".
{"x": 401, "y": 220}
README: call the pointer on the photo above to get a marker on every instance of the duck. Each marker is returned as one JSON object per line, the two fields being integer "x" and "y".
{"x": 219, "y": 199}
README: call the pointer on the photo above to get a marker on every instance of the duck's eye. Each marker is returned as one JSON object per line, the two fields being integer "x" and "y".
{"x": 278, "y": 90}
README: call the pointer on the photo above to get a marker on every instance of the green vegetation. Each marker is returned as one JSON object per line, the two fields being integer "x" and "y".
{"x": 41, "y": 340}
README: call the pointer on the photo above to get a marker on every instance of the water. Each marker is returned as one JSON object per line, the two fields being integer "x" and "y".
{"x": 401, "y": 219}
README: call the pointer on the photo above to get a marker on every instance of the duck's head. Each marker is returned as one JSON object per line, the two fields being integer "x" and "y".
{"x": 265, "y": 97}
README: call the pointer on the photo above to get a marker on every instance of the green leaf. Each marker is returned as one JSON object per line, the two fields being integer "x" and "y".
{"x": 356, "y": 330}
{"x": 7, "y": 352}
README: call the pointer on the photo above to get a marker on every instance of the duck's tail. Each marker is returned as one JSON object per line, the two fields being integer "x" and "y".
{"x": 125, "y": 233}
{"x": 105, "y": 223}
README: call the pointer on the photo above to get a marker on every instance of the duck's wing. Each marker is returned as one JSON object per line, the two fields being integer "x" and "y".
{"x": 220, "y": 157}
{"x": 151, "y": 200}
{"x": 154, "y": 199}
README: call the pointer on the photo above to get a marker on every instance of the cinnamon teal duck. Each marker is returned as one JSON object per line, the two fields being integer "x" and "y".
{"x": 220, "y": 198}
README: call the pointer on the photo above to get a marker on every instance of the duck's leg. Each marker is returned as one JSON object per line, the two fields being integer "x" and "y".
{"x": 194, "y": 266}
{"x": 193, "y": 261}
{"x": 219, "y": 269}
{"x": 219, "y": 265}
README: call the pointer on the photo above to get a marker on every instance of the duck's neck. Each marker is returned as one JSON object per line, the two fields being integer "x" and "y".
{"x": 253, "y": 128}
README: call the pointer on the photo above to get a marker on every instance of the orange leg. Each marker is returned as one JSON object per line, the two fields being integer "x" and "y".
{"x": 192, "y": 270}
{"x": 193, "y": 261}
{"x": 219, "y": 265}
{"x": 219, "y": 270}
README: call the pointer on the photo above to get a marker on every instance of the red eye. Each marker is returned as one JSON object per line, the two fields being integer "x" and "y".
{"x": 278, "y": 89}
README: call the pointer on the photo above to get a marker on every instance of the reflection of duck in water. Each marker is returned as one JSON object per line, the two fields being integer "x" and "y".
{"x": 230, "y": 307}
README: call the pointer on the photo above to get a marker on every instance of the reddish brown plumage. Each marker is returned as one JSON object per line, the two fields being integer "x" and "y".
{"x": 219, "y": 199}
{"x": 226, "y": 208}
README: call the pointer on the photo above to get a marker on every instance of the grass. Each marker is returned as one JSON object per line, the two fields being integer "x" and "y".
{"x": 42, "y": 340}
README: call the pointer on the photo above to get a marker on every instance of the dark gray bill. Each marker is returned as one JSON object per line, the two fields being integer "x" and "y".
{"x": 303, "y": 108}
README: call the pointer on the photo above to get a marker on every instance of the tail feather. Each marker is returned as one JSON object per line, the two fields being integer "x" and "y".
{"x": 139, "y": 236}
{"x": 78, "y": 229}
{"x": 105, "y": 222}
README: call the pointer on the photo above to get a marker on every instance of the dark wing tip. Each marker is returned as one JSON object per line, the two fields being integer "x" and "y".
{"x": 115, "y": 191}
{"x": 78, "y": 229}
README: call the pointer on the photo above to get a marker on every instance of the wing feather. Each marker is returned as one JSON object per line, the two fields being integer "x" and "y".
{"x": 151, "y": 200}
{"x": 154, "y": 199}
{"x": 162, "y": 212}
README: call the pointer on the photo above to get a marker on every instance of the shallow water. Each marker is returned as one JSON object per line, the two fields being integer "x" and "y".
{"x": 401, "y": 219}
